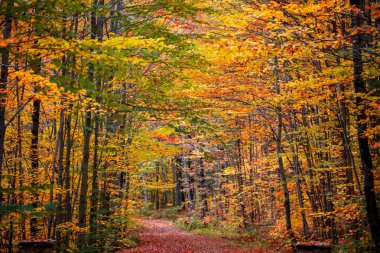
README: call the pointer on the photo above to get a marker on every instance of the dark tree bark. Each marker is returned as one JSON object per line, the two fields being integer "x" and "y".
{"x": 297, "y": 170}
{"x": 67, "y": 167}
{"x": 202, "y": 184}
{"x": 179, "y": 194}
{"x": 84, "y": 172}
{"x": 365, "y": 155}
{"x": 61, "y": 143}
{"x": 3, "y": 86}
{"x": 87, "y": 131}
{"x": 281, "y": 169}
{"x": 239, "y": 165}
{"x": 34, "y": 162}
{"x": 34, "y": 149}
{"x": 157, "y": 192}
{"x": 186, "y": 167}
{"x": 95, "y": 183}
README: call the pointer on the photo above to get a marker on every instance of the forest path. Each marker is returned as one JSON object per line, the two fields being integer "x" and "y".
{"x": 161, "y": 236}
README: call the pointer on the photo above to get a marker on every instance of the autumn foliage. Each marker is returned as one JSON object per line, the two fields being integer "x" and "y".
{"x": 260, "y": 116}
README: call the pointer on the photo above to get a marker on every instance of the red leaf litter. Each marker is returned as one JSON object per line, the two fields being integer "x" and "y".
{"x": 159, "y": 236}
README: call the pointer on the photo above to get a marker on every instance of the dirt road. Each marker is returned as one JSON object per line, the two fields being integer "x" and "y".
{"x": 160, "y": 236}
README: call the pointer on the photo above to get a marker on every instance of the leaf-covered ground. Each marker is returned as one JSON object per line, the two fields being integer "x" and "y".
{"x": 160, "y": 236}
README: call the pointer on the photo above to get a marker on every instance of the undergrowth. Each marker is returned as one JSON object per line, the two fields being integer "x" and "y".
{"x": 171, "y": 213}
{"x": 249, "y": 237}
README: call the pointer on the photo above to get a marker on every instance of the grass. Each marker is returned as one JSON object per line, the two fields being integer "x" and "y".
{"x": 171, "y": 213}
{"x": 250, "y": 237}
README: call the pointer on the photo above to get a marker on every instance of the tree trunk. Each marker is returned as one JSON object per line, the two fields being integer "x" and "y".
{"x": 3, "y": 86}
{"x": 240, "y": 182}
{"x": 34, "y": 164}
{"x": 87, "y": 130}
{"x": 178, "y": 190}
{"x": 203, "y": 195}
{"x": 95, "y": 167}
{"x": 362, "y": 125}
{"x": 95, "y": 183}
{"x": 281, "y": 170}
{"x": 84, "y": 172}
{"x": 296, "y": 165}
{"x": 67, "y": 167}
{"x": 61, "y": 148}
{"x": 157, "y": 194}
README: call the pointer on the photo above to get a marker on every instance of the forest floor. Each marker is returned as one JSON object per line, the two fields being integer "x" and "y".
{"x": 162, "y": 236}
